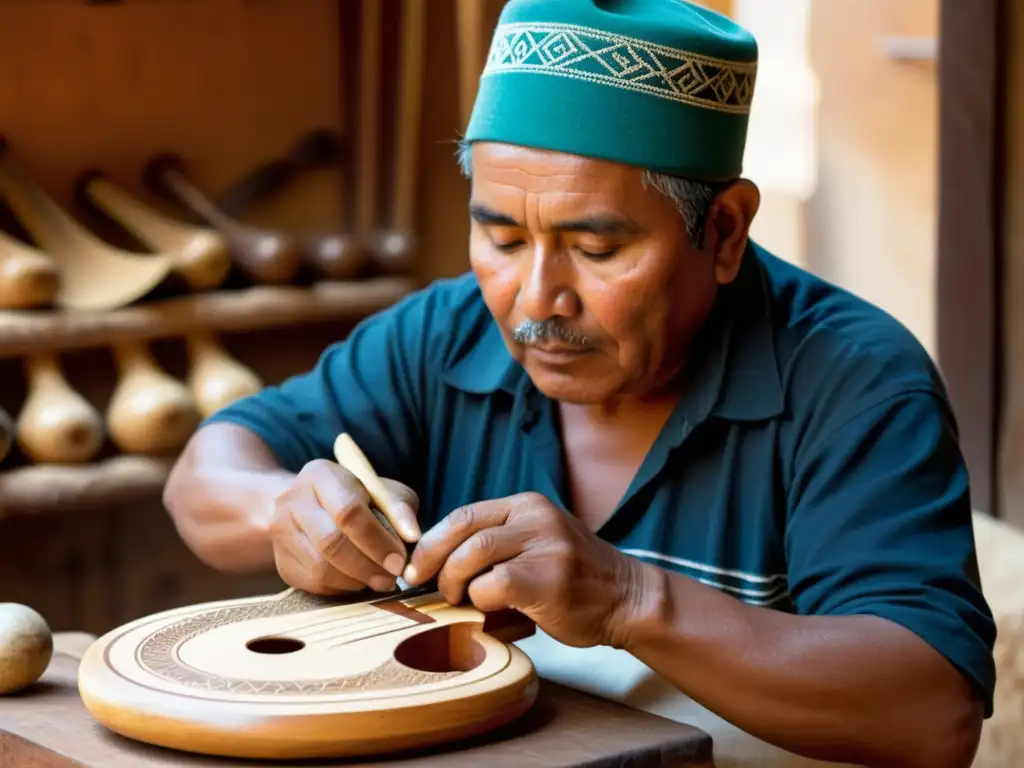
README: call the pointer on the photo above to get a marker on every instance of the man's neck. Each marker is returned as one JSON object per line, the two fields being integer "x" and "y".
{"x": 620, "y": 412}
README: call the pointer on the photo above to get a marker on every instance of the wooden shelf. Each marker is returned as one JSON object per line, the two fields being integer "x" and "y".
{"x": 250, "y": 309}
{"x": 47, "y": 488}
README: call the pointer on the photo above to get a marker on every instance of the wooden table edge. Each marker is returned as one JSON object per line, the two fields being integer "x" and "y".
{"x": 74, "y": 645}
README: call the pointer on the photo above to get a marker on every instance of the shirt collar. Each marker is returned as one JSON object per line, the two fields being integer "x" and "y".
{"x": 479, "y": 362}
{"x": 734, "y": 373}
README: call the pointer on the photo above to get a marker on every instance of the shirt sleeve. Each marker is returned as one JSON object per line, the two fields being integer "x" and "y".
{"x": 880, "y": 523}
{"x": 373, "y": 385}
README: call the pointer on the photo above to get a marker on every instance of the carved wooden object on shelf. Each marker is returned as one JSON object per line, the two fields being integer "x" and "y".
{"x": 150, "y": 412}
{"x": 267, "y": 257}
{"x": 215, "y": 378}
{"x": 93, "y": 274}
{"x": 200, "y": 253}
{"x": 76, "y": 429}
{"x": 28, "y": 277}
{"x": 56, "y": 424}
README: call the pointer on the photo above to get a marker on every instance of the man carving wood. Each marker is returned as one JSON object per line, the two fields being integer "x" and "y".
{"x": 725, "y": 490}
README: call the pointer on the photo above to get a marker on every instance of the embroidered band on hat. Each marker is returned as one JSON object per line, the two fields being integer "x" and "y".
{"x": 661, "y": 84}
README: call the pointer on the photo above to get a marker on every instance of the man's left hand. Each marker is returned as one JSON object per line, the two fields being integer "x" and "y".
{"x": 525, "y": 553}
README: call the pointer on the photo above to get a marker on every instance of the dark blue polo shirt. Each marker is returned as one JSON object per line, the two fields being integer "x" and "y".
{"x": 812, "y": 465}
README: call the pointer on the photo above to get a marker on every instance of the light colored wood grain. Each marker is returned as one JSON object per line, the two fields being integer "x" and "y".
{"x": 255, "y": 308}
{"x": 291, "y": 676}
{"x": 351, "y": 457}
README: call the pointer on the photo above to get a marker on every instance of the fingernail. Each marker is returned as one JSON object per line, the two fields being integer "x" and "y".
{"x": 393, "y": 564}
{"x": 381, "y": 584}
{"x": 410, "y": 531}
{"x": 410, "y": 575}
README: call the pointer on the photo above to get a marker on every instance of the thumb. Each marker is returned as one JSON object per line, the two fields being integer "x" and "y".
{"x": 404, "y": 508}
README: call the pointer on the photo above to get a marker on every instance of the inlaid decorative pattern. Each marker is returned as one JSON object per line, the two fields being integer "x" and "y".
{"x": 158, "y": 655}
{"x": 568, "y": 50}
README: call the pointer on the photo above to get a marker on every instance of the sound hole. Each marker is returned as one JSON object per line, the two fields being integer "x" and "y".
{"x": 449, "y": 648}
{"x": 275, "y": 645}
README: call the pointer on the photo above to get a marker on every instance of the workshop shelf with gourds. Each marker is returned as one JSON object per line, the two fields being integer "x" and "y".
{"x": 195, "y": 200}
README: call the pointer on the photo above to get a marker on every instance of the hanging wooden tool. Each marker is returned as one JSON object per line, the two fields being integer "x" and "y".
{"x": 94, "y": 275}
{"x": 332, "y": 255}
{"x": 201, "y": 253}
{"x": 267, "y": 257}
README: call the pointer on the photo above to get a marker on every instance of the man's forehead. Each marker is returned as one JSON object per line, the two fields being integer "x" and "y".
{"x": 499, "y": 168}
{"x": 492, "y": 157}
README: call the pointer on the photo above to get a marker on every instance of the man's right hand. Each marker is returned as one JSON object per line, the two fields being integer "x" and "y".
{"x": 326, "y": 540}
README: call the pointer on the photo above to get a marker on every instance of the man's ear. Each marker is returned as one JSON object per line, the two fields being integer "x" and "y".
{"x": 728, "y": 227}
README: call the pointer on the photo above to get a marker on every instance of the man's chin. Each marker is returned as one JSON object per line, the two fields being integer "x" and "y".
{"x": 574, "y": 390}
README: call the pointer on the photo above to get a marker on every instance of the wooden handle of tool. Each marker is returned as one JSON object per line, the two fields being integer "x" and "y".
{"x": 316, "y": 150}
{"x": 351, "y": 457}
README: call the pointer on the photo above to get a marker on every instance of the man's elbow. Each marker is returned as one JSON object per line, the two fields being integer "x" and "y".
{"x": 199, "y": 526}
{"x": 955, "y": 746}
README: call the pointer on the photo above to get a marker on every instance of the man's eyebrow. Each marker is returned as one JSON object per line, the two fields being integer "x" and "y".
{"x": 484, "y": 215}
{"x": 600, "y": 224}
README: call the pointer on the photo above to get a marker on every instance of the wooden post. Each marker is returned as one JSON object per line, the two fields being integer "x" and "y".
{"x": 969, "y": 228}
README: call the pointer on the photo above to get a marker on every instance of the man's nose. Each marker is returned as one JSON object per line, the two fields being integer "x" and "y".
{"x": 547, "y": 285}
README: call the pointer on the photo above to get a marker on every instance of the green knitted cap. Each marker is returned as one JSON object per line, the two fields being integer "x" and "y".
{"x": 661, "y": 84}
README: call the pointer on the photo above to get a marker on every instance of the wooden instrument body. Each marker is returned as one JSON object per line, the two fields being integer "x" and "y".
{"x": 294, "y": 676}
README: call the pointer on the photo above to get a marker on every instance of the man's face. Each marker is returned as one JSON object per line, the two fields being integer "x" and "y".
{"x": 589, "y": 273}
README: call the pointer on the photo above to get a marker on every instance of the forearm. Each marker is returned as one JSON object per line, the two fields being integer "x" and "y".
{"x": 220, "y": 496}
{"x": 854, "y": 689}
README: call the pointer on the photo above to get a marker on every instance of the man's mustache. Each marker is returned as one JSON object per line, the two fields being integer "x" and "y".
{"x": 535, "y": 332}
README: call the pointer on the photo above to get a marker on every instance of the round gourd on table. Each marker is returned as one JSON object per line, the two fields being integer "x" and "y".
{"x": 26, "y": 647}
